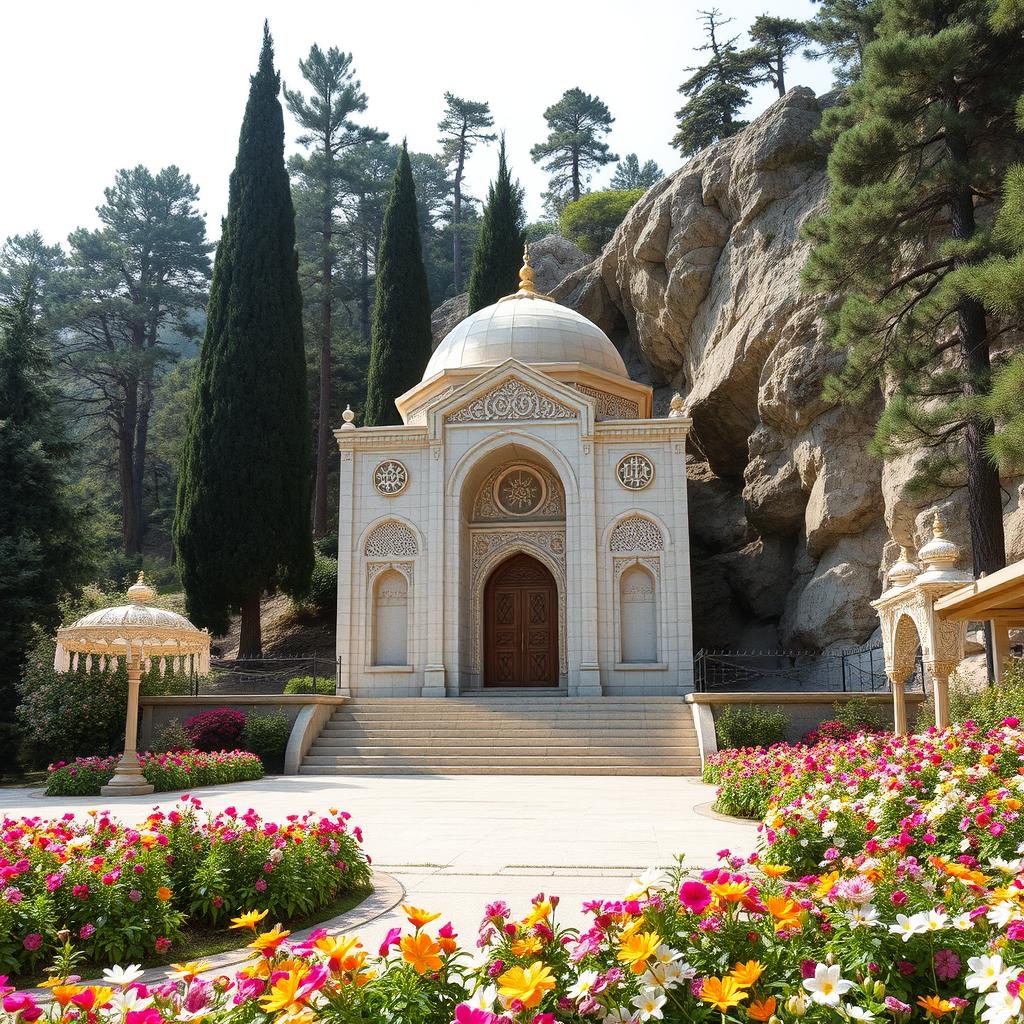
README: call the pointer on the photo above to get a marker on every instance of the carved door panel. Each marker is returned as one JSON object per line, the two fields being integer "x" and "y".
{"x": 521, "y": 625}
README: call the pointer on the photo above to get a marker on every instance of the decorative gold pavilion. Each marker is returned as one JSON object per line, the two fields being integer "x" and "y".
{"x": 141, "y": 636}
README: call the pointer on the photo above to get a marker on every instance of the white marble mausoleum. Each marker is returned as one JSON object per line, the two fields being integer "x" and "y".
{"x": 525, "y": 526}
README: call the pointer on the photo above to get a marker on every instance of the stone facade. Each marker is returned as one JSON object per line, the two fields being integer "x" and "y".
{"x": 501, "y": 456}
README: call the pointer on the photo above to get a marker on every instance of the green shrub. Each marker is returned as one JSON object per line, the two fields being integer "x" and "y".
{"x": 859, "y": 714}
{"x": 171, "y": 737}
{"x": 304, "y": 684}
{"x": 328, "y": 546}
{"x": 323, "y": 585}
{"x": 267, "y": 736}
{"x": 987, "y": 707}
{"x": 750, "y": 725}
{"x": 591, "y": 220}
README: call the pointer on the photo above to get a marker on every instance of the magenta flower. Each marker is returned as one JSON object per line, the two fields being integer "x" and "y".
{"x": 695, "y": 896}
{"x": 947, "y": 964}
{"x": 32, "y": 941}
{"x": 392, "y": 938}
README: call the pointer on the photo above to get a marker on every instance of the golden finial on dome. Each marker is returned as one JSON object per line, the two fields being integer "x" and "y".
{"x": 526, "y": 286}
{"x": 140, "y": 592}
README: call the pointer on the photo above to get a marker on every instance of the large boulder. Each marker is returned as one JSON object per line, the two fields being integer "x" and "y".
{"x": 700, "y": 290}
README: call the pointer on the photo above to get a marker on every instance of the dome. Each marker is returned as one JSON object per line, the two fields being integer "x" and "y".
{"x": 529, "y": 327}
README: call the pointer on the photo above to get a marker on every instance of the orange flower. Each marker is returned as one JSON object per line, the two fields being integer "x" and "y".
{"x": 722, "y": 993}
{"x": 417, "y": 917}
{"x": 826, "y": 883}
{"x": 541, "y": 911}
{"x": 785, "y": 911}
{"x": 935, "y": 1006}
{"x": 762, "y": 1010}
{"x": 528, "y": 984}
{"x": 163, "y": 893}
{"x": 775, "y": 870}
{"x": 63, "y": 994}
{"x": 337, "y": 949}
{"x": 730, "y": 892}
{"x": 637, "y": 949}
{"x": 526, "y": 946}
{"x": 746, "y": 975}
{"x": 267, "y": 942}
{"x": 249, "y": 919}
{"x": 422, "y": 952}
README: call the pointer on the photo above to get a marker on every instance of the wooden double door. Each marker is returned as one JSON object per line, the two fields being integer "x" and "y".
{"x": 521, "y": 625}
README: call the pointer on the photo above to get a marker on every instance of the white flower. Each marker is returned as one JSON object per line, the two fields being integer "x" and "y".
{"x": 678, "y": 972}
{"x": 483, "y": 998}
{"x": 857, "y": 1012}
{"x": 127, "y": 1000}
{"x": 906, "y": 926}
{"x": 963, "y": 922}
{"x": 1002, "y": 914}
{"x": 829, "y": 826}
{"x": 1007, "y": 867}
{"x": 826, "y": 987}
{"x": 665, "y": 954}
{"x": 985, "y": 972}
{"x": 649, "y": 1003}
{"x": 1000, "y": 1006}
{"x": 933, "y": 921}
{"x": 652, "y": 878}
{"x": 863, "y": 917}
{"x": 122, "y": 977}
{"x": 580, "y": 987}
{"x": 617, "y": 1016}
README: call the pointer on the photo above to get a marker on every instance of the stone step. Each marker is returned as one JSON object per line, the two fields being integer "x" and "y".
{"x": 437, "y": 762}
{"x": 351, "y": 735}
{"x": 528, "y": 715}
{"x": 321, "y": 748}
{"x": 656, "y": 771}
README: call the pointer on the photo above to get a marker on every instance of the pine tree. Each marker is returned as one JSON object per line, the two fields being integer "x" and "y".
{"x": 44, "y": 548}
{"x": 573, "y": 147}
{"x": 715, "y": 91}
{"x": 242, "y": 522}
{"x": 629, "y": 174}
{"x": 499, "y": 252}
{"x": 841, "y": 30}
{"x": 919, "y": 154}
{"x": 401, "y": 340}
{"x": 774, "y": 40}
{"x": 463, "y": 125}
{"x": 328, "y": 130}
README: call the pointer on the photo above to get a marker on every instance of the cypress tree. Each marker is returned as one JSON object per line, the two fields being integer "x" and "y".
{"x": 44, "y": 551}
{"x": 499, "y": 251}
{"x": 919, "y": 155}
{"x": 242, "y": 522}
{"x": 401, "y": 341}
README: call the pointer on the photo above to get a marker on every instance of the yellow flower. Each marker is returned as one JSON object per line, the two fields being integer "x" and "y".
{"x": 422, "y": 952}
{"x": 339, "y": 952}
{"x": 540, "y": 912}
{"x": 417, "y": 917}
{"x": 188, "y": 971}
{"x": 267, "y": 942}
{"x": 528, "y": 985}
{"x": 746, "y": 975}
{"x": 249, "y": 919}
{"x": 775, "y": 870}
{"x": 785, "y": 911}
{"x": 762, "y": 1010}
{"x": 722, "y": 993}
{"x": 637, "y": 949}
{"x": 283, "y": 994}
{"x": 935, "y": 1006}
{"x": 826, "y": 882}
{"x": 730, "y": 892}
{"x": 163, "y": 894}
{"x": 526, "y": 946}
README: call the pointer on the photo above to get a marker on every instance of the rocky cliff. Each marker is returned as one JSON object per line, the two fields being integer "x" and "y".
{"x": 699, "y": 288}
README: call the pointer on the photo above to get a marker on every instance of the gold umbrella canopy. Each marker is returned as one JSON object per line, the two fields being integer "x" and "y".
{"x": 137, "y": 633}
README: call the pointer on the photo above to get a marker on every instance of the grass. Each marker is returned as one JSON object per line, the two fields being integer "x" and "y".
{"x": 198, "y": 943}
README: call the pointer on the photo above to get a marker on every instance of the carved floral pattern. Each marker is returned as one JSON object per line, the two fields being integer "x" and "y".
{"x": 636, "y": 534}
{"x": 511, "y": 400}
{"x": 390, "y": 477}
{"x": 609, "y": 406}
{"x": 391, "y": 539}
{"x": 635, "y": 472}
{"x": 486, "y": 508}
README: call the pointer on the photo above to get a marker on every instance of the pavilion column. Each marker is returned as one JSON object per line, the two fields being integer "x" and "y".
{"x": 940, "y": 693}
{"x": 442, "y": 580}
{"x": 899, "y": 705}
{"x": 1000, "y": 634}
{"x": 128, "y": 780}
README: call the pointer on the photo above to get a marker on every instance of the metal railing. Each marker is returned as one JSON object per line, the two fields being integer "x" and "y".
{"x": 251, "y": 676}
{"x": 854, "y": 670}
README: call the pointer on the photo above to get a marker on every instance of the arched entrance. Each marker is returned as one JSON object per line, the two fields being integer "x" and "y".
{"x": 521, "y": 624}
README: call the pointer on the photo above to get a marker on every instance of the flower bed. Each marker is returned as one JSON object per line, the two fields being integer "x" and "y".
{"x": 179, "y": 769}
{"x": 887, "y": 938}
{"x": 956, "y": 793}
{"x": 124, "y": 892}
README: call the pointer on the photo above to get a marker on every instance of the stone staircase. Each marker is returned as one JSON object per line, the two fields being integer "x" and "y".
{"x": 516, "y": 733}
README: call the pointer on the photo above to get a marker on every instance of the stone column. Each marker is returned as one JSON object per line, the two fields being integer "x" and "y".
{"x": 899, "y": 705}
{"x": 129, "y": 780}
{"x": 940, "y": 692}
{"x": 439, "y": 582}
{"x": 348, "y": 564}
{"x": 1000, "y": 634}
{"x": 583, "y": 592}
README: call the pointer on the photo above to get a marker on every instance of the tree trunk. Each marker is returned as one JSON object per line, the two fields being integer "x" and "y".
{"x": 456, "y": 221}
{"x": 250, "y": 638}
{"x": 324, "y": 405}
{"x": 984, "y": 499}
{"x": 576, "y": 189}
{"x": 126, "y": 467}
{"x": 780, "y": 74}
{"x": 139, "y": 458}
{"x": 364, "y": 287}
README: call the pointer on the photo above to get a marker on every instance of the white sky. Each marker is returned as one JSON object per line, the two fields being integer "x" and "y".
{"x": 90, "y": 87}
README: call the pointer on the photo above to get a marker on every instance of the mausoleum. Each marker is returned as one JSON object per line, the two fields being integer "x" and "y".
{"x": 525, "y": 526}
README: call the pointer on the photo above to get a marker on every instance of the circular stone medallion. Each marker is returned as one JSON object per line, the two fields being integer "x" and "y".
{"x": 635, "y": 471}
{"x": 390, "y": 478}
{"x": 519, "y": 491}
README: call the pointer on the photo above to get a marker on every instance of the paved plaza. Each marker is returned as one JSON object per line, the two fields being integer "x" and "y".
{"x": 456, "y": 842}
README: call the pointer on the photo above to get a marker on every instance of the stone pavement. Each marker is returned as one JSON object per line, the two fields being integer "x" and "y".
{"x": 457, "y": 842}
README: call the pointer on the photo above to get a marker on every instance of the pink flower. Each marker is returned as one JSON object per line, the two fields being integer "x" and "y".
{"x": 162, "y": 944}
{"x": 465, "y": 1014}
{"x": 393, "y": 938}
{"x": 695, "y": 896}
{"x": 32, "y": 941}
{"x": 86, "y": 931}
{"x": 947, "y": 964}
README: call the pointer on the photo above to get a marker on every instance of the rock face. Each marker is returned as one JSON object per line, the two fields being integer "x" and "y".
{"x": 700, "y": 290}
{"x": 552, "y": 259}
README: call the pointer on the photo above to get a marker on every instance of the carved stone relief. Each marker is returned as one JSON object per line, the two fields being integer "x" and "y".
{"x": 636, "y": 534}
{"x": 609, "y": 406}
{"x": 487, "y": 506}
{"x": 391, "y": 539}
{"x": 511, "y": 400}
